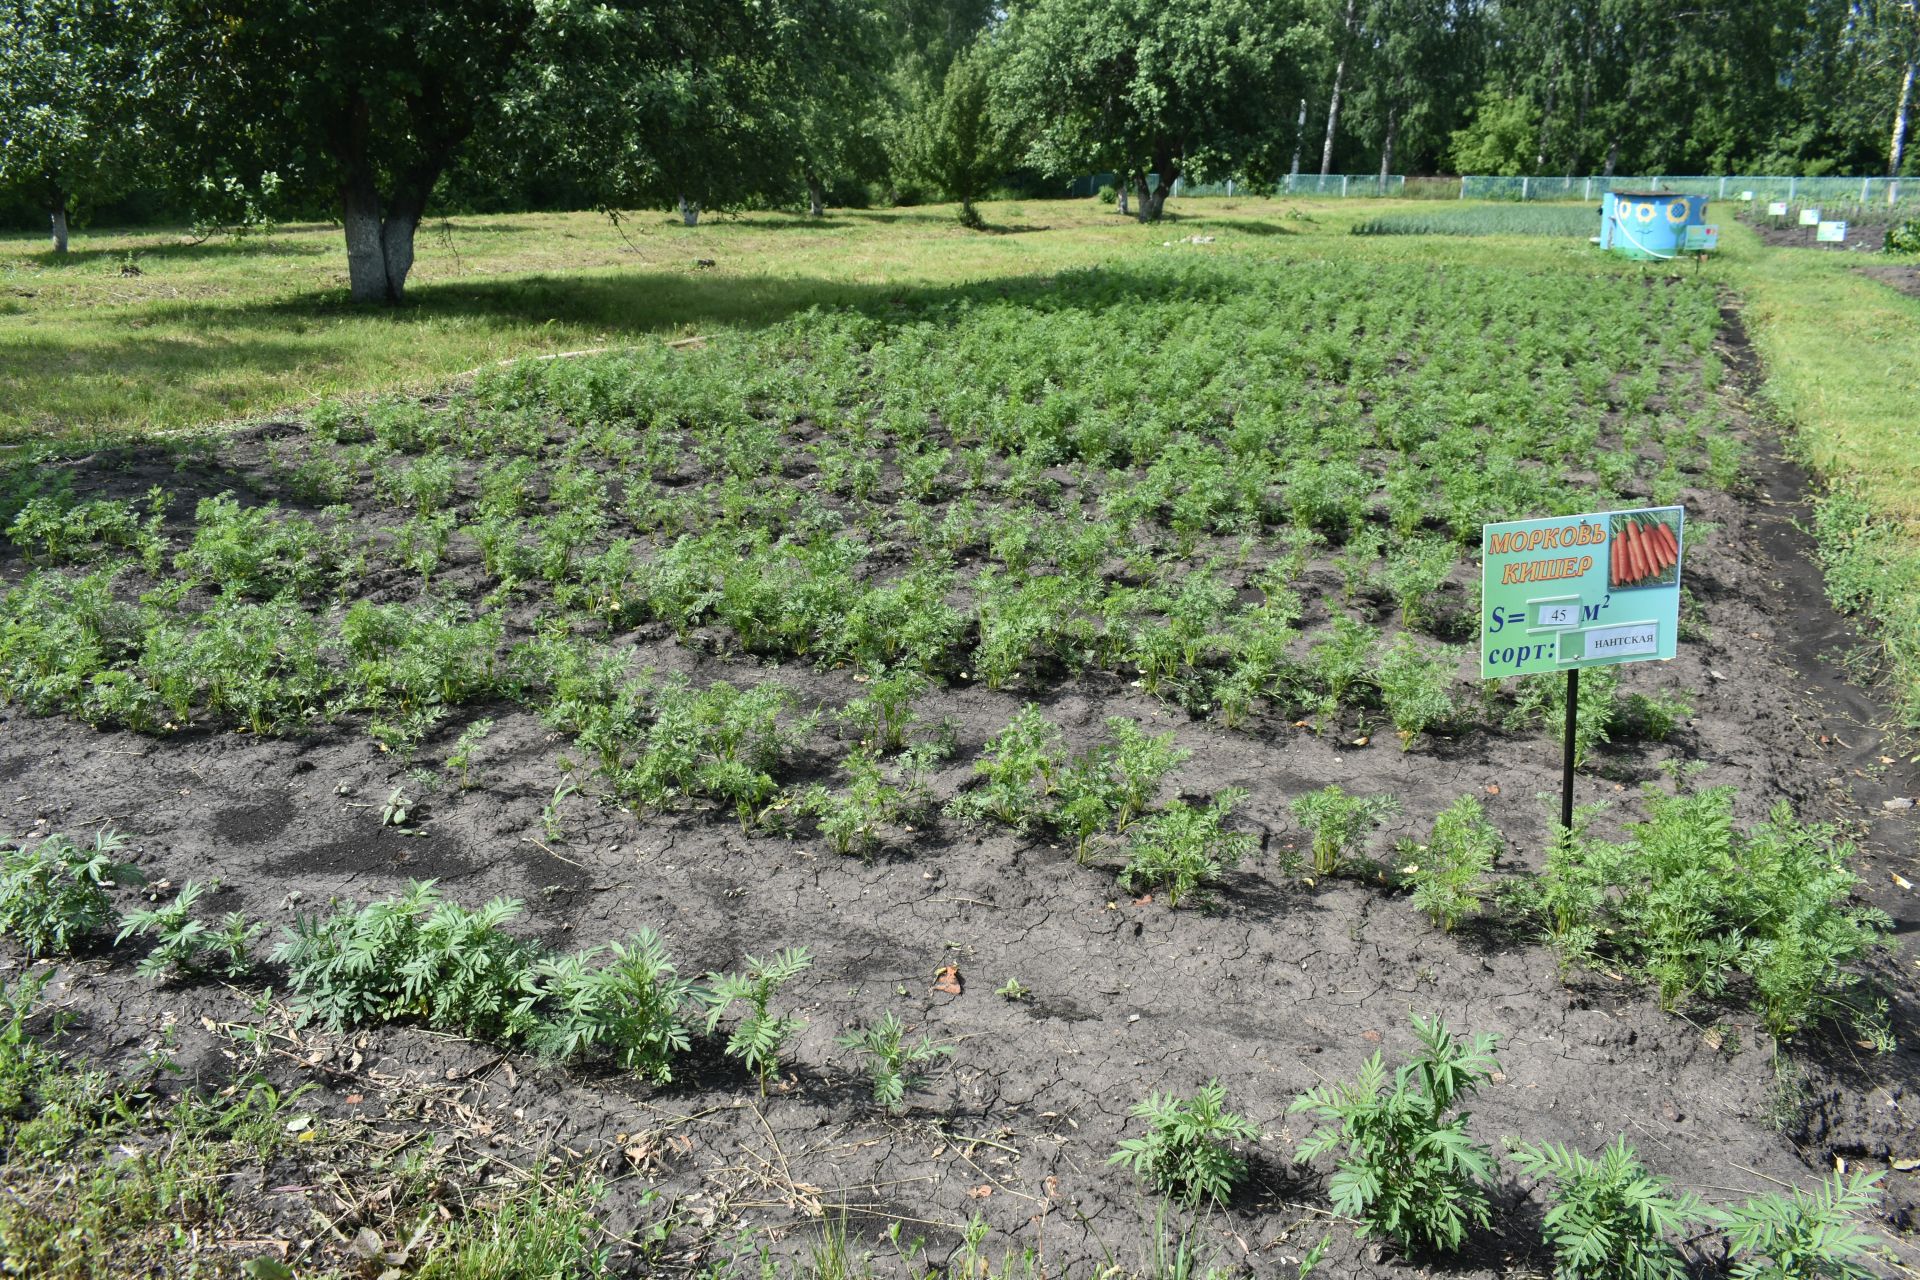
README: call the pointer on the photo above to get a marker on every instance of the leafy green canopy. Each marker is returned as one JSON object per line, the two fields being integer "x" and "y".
{"x": 1139, "y": 86}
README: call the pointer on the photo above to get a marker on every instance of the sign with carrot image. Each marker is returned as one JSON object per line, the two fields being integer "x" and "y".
{"x": 1580, "y": 591}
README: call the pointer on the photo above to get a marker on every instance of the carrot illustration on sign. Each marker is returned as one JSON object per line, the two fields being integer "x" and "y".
{"x": 1646, "y": 552}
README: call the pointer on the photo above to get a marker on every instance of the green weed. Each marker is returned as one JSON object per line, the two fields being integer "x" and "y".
{"x": 1407, "y": 1169}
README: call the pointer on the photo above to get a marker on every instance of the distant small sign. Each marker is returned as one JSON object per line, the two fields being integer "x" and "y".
{"x": 1701, "y": 238}
{"x": 1831, "y": 233}
{"x": 1777, "y": 209}
{"x": 1747, "y": 196}
{"x": 1809, "y": 217}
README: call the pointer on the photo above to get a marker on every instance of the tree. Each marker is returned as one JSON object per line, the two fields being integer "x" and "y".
{"x": 1418, "y": 63}
{"x": 954, "y": 141}
{"x": 1499, "y": 139}
{"x": 1168, "y": 87}
{"x": 373, "y": 101}
{"x": 70, "y": 82}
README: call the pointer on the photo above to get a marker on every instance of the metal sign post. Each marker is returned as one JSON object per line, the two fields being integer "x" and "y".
{"x": 1579, "y": 591}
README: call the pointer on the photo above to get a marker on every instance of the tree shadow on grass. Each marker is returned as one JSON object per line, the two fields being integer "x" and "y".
{"x": 314, "y": 337}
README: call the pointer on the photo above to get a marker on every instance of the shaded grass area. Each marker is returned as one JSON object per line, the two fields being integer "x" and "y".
{"x": 1842, "y": 353}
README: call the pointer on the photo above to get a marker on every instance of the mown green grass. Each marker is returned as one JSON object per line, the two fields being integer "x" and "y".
{"x": 1842, "y": 356}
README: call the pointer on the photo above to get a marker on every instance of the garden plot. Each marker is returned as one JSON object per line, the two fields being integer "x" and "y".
{"x": 982, "y": 664}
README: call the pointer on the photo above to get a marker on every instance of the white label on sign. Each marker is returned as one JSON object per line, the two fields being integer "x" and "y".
{"x": 1831, "y": 232}
{"x": 1634, "y": 637}
{"x": 1747, "y": 196}
{"x": 1809, "y": 217}
{"x": 1557, "y": 615}
{"x": 1778, "y": 209}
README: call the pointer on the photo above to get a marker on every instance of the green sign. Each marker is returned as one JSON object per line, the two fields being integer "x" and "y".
{"x": 1809, "y": 217}
{"x": 1831, "y": 232}
{"x": 1700, "y": 238}
{"x": 1580, "y": 591}
{"x": 1777, "y": 209}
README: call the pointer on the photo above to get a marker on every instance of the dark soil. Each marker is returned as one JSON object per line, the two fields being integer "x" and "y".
{"x": 1280, "y": 986}
{"x": 1904, "y": 279}
{"x": 1865, "y": 237}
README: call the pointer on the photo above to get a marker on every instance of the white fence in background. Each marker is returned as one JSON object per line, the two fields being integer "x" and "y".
{"x": 1889, "y": 191}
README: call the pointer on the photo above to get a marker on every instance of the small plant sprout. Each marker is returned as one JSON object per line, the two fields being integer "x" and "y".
{"x": 398, "y": 808}
{"x": 895, "y": 1065}
{"x": 759, "y": 1036}
{"x": 551, "y": 815}
{"x": 1805, "y": 1235}
{"x": 184, "y": 945}
{"x": 460, "y": 759}
{"x": 1183, "y": 848}
{"x": 1607, "y": 1218}
{"x": 1407, "y": 1169}
{"x": 1448, "y": 873}
{"x": 1013, "y": 989}
{"x": 1338, "y": 822}
{"x": 1187, "y": 1151}
{"x": 54, "y": 893}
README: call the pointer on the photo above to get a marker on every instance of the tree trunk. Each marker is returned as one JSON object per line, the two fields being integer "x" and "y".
{"x": 1299, "y": 139}
{"x": 1333, "y": 104}
{"x": 689, "y": 212}
{"x": 57, "y": 209}
{"x": 816, "y": 197}
{"x": 1546, "y": 116}
{"x": 1386, "y": 150}
{"x": 380, "y": 241}
{"x": 1897, "y": 152}
{"x": 366, "y": 247}
{"x": 1154, "y": 202}
{"x": 1613, "y": 158}
{"x": 1125, "y": 180}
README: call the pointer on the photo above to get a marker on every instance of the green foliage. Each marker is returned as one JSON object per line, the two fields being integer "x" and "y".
{"x": 414, "y": 956}
{"x": 1904, "y": 237}
{"x": 259, "y": 553}
{"x": 720, "y": 742}
{"x": 53, "y": 893}
{"x": 883, "y": 715}
{"x": 460, "y": 758}
{"x": 55, "y": 529}
{"x": 852, "y": 817}
{"x": 1692, "y": 902}
{"x": 1558, "y": 221}
{"x": 954, "y": 143}
{"x": 545, "y": 1231}
{"x": 184, "y": 945}
{"x": 1407, "y": 1169}
{"x": 1448, "y": 873}
{"x": 1020, "y": 765}
{"x": 1338, "y": 822}
{"x": 1416, "y": 685}
{"x": 1803, "y": 1235}
{"x": 759, "y": 1036}
{"x": 1608, "y": 1218}
{"x": 1187, "y": 1151}
{"x": 895, "y": 1065}
{"x": 630, "y": 1005}
{"x": 1183, "y": 848}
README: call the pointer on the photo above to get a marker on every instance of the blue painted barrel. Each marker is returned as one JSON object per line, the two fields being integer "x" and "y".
{"x": 1648, "y": 224}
